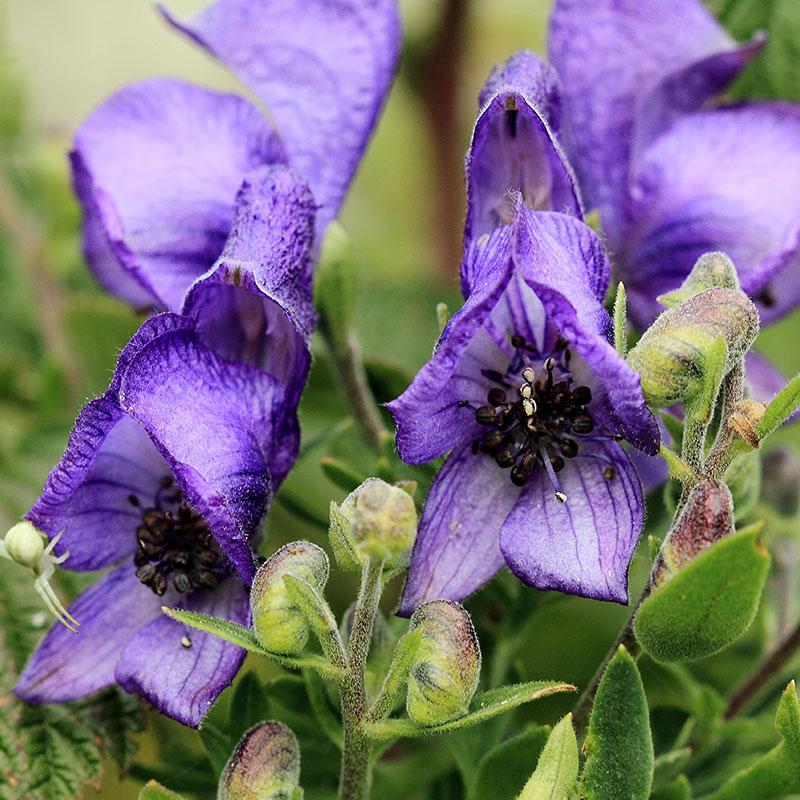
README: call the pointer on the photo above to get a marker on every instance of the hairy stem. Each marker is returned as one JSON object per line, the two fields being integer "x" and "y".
{"x": 356, "y": 775}
{"x": 627, "y": 638}
{"x": 346, "y": 355}
{"x": 763, "y": 673}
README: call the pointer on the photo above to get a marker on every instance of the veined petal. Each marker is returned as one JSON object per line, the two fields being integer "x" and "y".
{"x": 183, "y": 682}
{"x": 108, "y": 459}
{"x": 255, "y": 305}
{"x": 67, "y": 665}
{"x": 622, "y": 61}
{"x": 457, "y": 546}
{"x": 704, "y": 185}
{"x": 156, "y": 169}
{"x": 429, "y": 420}
{"x": 514, "y": 148}
{"x": 215, "y": 424}
{"x": 582, "y": 546}
{"x": 321, "y": 68}
{"x": 554, "y": 254}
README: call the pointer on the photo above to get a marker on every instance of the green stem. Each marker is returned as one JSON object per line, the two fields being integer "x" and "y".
{"x": 346, "y": 355}
{"x": 627, "y": 638}
{"x": 356, "y": 775}
{"x": 764, "y": 673}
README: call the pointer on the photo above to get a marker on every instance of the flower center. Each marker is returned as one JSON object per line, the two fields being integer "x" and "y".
{"x": 535, "y": 415}
{"x": 174, "y": 541}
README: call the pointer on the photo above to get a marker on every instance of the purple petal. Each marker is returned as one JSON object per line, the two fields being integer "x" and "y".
{"x": 456, "y": 550}
{"x": 108, "y": 458}
{"x": 429, "y": 420}
{"x": 322, "y": 69}
{"x": 183, "y": 682}
{"x": 719, "y": 180}
{"x": 156, "y": 169}
{"x": 214, "y": 423}
{"x": 554, "y": 254}
{"x": 66, "y": 665}
{"x": 623, "y": 59}
{"x": 514, "y": 148}
{"x": 583, "y": 546}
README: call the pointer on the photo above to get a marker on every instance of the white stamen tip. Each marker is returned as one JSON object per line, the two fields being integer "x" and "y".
{"x": 528, "y": 374}
{"x": 549, "y": 364}
{"x": 526, "y": 390}
{"x": 186, "y": 641}
{"x": 529, "y": 407}
{"x": 561, "y": 497}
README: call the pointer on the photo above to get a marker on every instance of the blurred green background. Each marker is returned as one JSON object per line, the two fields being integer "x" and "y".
{"x": 59, "y": 334}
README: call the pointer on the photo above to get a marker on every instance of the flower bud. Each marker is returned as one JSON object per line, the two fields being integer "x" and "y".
{"x": 445, "y": 671}
{"x": 264, "y": 766}
{"x": 24, "y": 544}
{"x": 706, "y": 517}
{"x": 278, "y": 623}
{"x": 780, "y": 481}
{"x": 675, "y": 351}
{"x": 384, "y": 521}
{"x": 710, "y": 270}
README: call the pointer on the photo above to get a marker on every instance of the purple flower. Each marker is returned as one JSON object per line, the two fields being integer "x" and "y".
{"x": 531, "y": 399}
{"x": 158, "y": 165}
{"x": 170, "y": 473}
{"x": 672, "y": 171}
{"x": 166, "y": 476}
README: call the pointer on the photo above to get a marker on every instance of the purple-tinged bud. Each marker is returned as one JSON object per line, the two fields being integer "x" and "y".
{"x": 445, "y": 671}
{"x": 780, "y": 481}
{"x": 278, "y": 623}
{"x": 264, "y": 766}
{"x": 675, "y": 352}
{"x": 706, "y": 517}
{"x": 384, "y": 522}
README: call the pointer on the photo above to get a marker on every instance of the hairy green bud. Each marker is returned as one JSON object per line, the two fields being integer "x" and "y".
{"x": 446, "y": 668}
{"x": 264, "y": 766}
{"x": 710, "y": 270}
{"x": 24, "y": 544}
{"x": 384, "y": 522}
{"x": 706, "y": 517}
{"x": 676, "y": 354}
{"x": 278, "y": 622}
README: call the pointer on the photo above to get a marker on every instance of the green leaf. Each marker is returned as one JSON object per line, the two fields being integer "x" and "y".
{"x": 667, "y": 766}
{"x": 244, "y": 637}
{"x": 503, "y": 770}
{"x": 777, "y": 774}
{"x": 709, "y": 604}
{"x": 249, "y": 705}
{"x": 781, "y": 407}
{"x": 484, "y": 706}
{"x": 557, "y": 771}
{"x": 619, "y": 750}
{"x": 621, "y": 321}
{"x": 386, "y": 379}
{"x": 340, "y": 474}
{"x": 153, "y": 790}
{"x": 679, "y": 789}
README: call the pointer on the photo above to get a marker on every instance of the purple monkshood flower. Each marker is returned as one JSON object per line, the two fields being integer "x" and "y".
{"x": 629, "y": 123}
{"x": 170, "y": 473}
{"x": 158, "y": 165}
{"x": 166, "y": 478}
{"x": 529, "y": 397}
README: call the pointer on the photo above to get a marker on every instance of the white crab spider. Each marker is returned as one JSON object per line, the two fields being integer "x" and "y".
{"x": 25, "y": 545}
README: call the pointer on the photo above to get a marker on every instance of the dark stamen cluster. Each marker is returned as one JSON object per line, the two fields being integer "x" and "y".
{"x": 175, "y": 543}
{"x": 533, "y": 416}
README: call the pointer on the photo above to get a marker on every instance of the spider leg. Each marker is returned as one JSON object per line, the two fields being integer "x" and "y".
{"x": 51, "y": 600}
